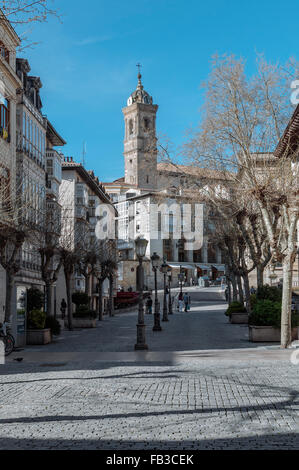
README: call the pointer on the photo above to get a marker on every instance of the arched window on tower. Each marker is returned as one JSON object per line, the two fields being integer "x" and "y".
{"x": 131, "y": 126}
{"x": 146, "y": 124}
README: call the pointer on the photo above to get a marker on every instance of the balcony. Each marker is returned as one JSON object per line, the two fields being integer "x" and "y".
{"x": 125, "y": 245}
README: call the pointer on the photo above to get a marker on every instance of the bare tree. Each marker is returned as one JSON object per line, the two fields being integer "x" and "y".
{"x": 11, "y": 241}
{"x": 23, "y": 14}
{"x": 108, "y": 267}
{"x": 45, "y": 239}
{"x": 243, "y": 121}
{"x": 13, "y": 232}
{"x": 27, "y": 11}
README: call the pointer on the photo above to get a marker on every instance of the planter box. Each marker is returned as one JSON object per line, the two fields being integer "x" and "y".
{"x": 39, "y": 336}
{"x": 84, "y": 322}
{"x": 239, "y": 318}
{"x": 61, "y": 322}
{"x": 265, "y": 334}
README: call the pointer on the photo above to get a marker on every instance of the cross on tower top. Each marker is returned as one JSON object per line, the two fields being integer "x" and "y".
{"x": 139, "y": 67}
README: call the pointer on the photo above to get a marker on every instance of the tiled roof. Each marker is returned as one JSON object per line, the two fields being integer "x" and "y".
{"x": 191, "y": 170}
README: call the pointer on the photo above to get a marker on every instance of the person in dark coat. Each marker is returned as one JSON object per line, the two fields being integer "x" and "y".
{"x": 149, "y": 305}
{"x": 63, "y": 307}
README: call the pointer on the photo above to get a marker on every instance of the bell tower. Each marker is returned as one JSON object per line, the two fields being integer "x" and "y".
{"x": 140, "y": 145}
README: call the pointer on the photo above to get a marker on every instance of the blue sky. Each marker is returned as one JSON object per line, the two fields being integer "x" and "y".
{"x": 87, "y": 63}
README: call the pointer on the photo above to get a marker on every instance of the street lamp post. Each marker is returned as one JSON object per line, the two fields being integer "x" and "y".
{"x": 164, "y": 269}
{"x": 156, "y": 263}
{"x": 170, "y": 312}
{"x": 181, "y": 277}
{"x": 140, "y": 245}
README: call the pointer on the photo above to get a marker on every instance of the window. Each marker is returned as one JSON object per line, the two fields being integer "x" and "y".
{"x": 131, "y": 126}
{"x": 211, "y": 254}
{"x": 171, "y": 223}
{"x": 50, "y": 167}
{"x": 4, "y": 113}
{"x": 167, "y": 249}
{"x": 146, "y": 124}
{"x": 30, "y": 135}
{"x": 4, "y": 52}
{"x": 197, "y": 256}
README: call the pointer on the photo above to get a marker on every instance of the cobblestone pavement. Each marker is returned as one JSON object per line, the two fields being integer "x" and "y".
{"x": 192, "y": 397}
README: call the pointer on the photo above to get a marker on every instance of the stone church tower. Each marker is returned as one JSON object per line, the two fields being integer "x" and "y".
{"x": 140, "y": 145}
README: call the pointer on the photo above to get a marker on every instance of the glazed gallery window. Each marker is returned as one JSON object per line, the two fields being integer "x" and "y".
{"x": 4, "y": 113}
{"x": 50, "y": 167}
{"x": 33, "y": 139}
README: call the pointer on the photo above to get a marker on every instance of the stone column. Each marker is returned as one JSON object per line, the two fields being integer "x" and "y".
{"x": 205, "y": 251}
{"x": 218, "y": 255}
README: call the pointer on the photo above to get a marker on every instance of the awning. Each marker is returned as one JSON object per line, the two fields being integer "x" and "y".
{"x": 180, "y": 265}
{"x": 204, "y": 267}
{"x": 220, "y": 267}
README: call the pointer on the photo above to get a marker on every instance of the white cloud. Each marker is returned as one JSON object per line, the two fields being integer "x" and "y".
{"x": 92, "y": 40}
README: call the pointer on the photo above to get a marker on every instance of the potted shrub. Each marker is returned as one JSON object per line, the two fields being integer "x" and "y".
{"x": 265, "y": 320}
{"x": 35, "y": 299}
{"x": 36, "y": 332}
{"x": 54, "y": 326}
{"x": 269, "y": 292}
{"x": 80, "y": 298}
{"x": 84, "y": 317}
{"x": 237, "y": 313}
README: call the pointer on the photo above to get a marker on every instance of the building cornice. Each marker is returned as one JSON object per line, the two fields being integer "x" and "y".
{"x": 10, "y": 30}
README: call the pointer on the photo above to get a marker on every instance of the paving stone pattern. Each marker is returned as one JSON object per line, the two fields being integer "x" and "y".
{"x": 203, "y": 399}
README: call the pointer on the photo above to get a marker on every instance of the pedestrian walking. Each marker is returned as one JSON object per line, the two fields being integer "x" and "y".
{"x": 63, "y": 306}
{"x": 149, "y": 305}
{"x": 181, "y": 301}
{"x": 187, "y": 301}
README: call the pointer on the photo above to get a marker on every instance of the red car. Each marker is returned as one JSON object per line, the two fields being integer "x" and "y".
{"x": 125, "y": 299}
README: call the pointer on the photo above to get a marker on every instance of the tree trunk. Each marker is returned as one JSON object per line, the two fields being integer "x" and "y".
{"x": 260, "y": 275}
{"x": 100, "y": 300}
{"x": 286, "y": 312}
{"x": 87, "y": 284}
{"x": 234, "y": 285}
{"x": 111, "y": 307}
{"x": 8, "y": 295}
{"x": 49, "y": 298}
{"x": 247, "y": 292}
{"x": 229, "y": 297}
{"x": 240, "y": 289}
{"x": 69, "y": 301}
